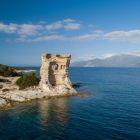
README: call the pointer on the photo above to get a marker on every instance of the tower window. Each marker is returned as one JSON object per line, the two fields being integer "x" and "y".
{"x": 62, "y": 67}
{"x": 55, "y": 66}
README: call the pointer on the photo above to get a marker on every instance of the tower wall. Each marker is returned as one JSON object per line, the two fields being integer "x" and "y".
{"x": 54, "y": 70}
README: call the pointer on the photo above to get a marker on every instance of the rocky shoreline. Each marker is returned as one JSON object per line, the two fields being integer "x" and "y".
{"x": 10, "y": 92}
{"x": 11, "y": 97}
{"x": 15, "y": 86}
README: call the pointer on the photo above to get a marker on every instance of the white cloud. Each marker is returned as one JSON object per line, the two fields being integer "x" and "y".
{"x": 137, "y": 53}
{"x": 54, "y": 26}
{"x": 21, "y": 29}
{"x": 67, "y": 24}
{"x": 44, "y": 31}
{"x": 29, "y": 29}
{"x": 132, "y": 36}
{"x": 87, "y": 37}
{"x": 125, "y": 36}
{"x": 72, "y": 26}
{"x": 8, "y": 28}
{"x": 41, "y": 38}
{"x": 106, "y": 55}
{"x": 87, "y": 57}
{"x": 68, "y": 20}
{"x": 42, "y": 28}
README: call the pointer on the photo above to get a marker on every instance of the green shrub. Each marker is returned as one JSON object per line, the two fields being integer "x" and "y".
{"x": 7, "y": 71}
{"x": 28, "y": 80}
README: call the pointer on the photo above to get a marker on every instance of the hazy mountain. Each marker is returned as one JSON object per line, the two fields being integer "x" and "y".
{"x": 122, "y": 60}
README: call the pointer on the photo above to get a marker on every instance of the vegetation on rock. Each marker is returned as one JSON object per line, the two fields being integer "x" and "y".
{"x": 8, "y": 71}
{"x": 28, "y": 80}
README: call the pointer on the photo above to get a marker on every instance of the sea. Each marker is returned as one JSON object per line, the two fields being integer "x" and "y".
{"x": 110, "y": 111}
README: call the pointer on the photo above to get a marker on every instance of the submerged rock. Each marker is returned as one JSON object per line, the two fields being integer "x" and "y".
{"x": 76, "y": 85}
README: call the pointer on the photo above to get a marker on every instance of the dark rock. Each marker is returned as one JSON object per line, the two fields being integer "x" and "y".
{"x": 76, "y": 85}
{"x": 1, "y": 86}
{"x": 4, "y": 90}
{"x": 4, "y": 80}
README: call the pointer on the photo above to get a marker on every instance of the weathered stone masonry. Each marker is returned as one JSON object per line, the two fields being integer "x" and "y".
{"x": 54, "y": 73}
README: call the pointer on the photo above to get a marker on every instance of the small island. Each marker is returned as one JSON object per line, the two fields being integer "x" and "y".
{"x": 16, "y": 86}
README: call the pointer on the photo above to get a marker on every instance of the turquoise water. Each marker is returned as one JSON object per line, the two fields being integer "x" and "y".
{"x": 111, "y": 112}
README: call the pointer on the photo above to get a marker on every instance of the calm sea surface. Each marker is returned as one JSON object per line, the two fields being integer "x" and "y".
{"x": 111, "y": 112}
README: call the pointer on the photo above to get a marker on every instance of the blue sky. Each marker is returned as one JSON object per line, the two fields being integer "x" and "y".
{"x": 83, "y": 28}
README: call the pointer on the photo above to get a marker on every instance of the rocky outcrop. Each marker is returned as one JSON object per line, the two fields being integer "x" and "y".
{"x": 32, "y": 93}
{"x": 54, "y": 82}
{"x": 54, "y": 74}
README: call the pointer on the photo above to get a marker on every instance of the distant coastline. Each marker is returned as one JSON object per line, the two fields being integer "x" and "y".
{"x": 26, "y": 70}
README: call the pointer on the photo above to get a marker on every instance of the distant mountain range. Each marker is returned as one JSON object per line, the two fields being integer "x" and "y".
{"x": 121, "y": 60}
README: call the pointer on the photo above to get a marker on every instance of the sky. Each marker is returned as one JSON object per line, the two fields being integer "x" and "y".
{"x": 82, "y": 28}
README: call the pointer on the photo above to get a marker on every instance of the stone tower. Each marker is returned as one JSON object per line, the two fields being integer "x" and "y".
{"x": 54, "y": 74}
